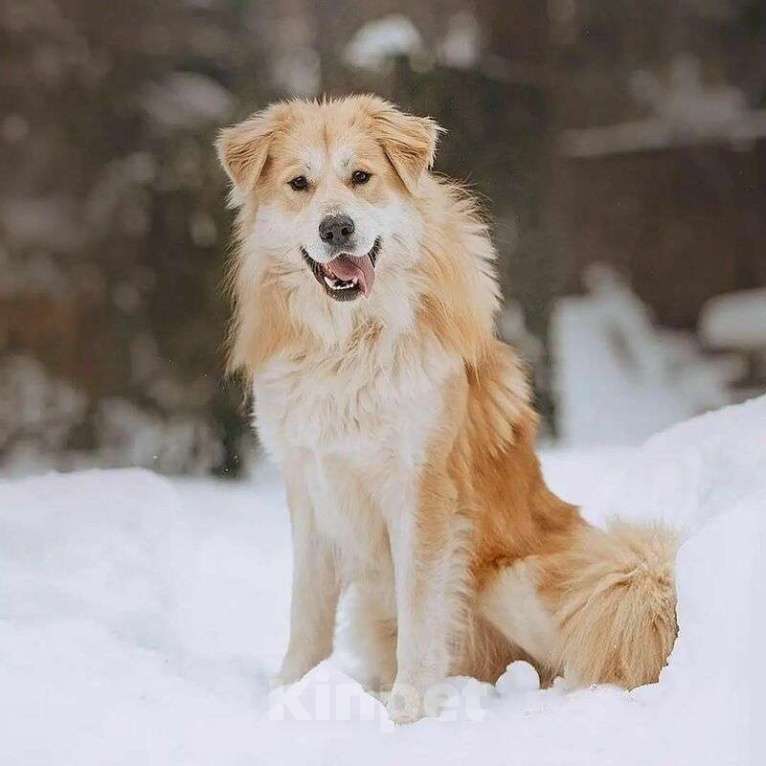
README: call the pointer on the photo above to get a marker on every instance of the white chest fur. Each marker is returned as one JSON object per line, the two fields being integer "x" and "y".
{"x": 343, "y": 401}
{"x": 356, "y": 423}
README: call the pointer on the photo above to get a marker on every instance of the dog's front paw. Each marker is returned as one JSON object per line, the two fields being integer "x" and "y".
{"x": 404, "y": 703}
{"x": 413, "y": 698}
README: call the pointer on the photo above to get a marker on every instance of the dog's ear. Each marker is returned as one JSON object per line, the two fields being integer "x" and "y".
{"x": 408, "y": 141}
{"x": 243, "y": 149}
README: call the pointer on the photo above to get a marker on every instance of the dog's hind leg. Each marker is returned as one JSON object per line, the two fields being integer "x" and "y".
{"x": 510, "y": 602}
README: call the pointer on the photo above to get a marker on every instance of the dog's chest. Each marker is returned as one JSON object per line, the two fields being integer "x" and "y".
{"x": 356, "y": 429}
{"x": 357, "y": 432}
{"x": 356, "y": 404}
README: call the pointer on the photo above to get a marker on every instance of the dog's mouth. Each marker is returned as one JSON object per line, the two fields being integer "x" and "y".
{"x": 346, "y": 277}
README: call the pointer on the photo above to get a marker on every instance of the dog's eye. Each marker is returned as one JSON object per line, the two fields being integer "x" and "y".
{"x": 299, "y": 183}
{"x": 360, "y": 177}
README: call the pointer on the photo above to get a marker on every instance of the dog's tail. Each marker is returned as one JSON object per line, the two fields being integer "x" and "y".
{"x": 612, "y": 596}
{"x": 599, "y": 610}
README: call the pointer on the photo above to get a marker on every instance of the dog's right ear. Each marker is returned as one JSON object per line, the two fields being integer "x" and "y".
{"x": 243, "y": 149}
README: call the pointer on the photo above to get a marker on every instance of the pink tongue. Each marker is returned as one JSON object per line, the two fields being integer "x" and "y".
{"x": 347, "y": 267}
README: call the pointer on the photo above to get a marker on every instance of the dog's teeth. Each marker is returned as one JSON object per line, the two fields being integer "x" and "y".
{"x": 339, "y": 284}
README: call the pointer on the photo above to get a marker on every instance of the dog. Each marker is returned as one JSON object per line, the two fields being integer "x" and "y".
{"x": 365, "y": 298}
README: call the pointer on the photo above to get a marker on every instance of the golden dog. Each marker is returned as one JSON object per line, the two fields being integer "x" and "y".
{"x": 365, "y": 300}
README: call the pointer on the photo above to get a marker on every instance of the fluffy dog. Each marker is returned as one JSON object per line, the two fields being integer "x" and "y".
{"x": 365, "y": 298}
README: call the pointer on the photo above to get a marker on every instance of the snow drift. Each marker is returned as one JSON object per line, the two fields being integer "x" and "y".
{"x": 140, "y": 620}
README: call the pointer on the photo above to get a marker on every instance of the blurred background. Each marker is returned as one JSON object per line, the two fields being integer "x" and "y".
{"x": 619, "y": 147}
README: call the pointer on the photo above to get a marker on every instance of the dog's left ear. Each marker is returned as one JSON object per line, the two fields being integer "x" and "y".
{"x": 408, "y": 141}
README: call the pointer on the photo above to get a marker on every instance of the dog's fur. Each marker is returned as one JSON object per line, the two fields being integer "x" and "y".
{"x": 404, "y": 427}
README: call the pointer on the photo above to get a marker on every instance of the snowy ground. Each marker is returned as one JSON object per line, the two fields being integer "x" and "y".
{"x": 140, "y": 619}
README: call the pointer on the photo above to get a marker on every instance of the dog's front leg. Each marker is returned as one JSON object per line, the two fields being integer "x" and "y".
{"x": 422, "y": 548}
{"x": 315, "y": 587}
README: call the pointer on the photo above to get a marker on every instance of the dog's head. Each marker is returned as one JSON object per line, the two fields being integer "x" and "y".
{"x": 328, "y": 191}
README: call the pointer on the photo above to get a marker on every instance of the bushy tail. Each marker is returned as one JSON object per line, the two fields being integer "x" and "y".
{"x": 612, "y": 596}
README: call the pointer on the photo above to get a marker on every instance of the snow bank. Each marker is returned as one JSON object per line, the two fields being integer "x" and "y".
{"x": 140, "y": 620}
{"x": 619, "y": 378}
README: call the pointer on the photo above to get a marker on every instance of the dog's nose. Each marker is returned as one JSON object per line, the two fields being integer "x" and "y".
{"x": 336, "y": 230}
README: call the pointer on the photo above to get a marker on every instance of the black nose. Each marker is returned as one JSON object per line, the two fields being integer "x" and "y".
{"x": 336, "y": 230}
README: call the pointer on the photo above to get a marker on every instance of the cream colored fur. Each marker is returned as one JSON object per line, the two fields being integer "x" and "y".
{"x": 612, "y": 595}
{"x": 404, "y": 427}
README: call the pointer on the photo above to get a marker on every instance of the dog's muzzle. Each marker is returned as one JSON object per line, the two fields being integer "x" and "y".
{"x": 346, "y": 276}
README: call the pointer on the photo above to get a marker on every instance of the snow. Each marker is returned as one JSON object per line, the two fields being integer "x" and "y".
{"x": 140, "y": 619}
{"x": 185, "y": 99}
{"x": 298, "y": 72}
{"x": 619, "y": 378}
{"x": 134, "y": 436}
{"x": 684, "y": 111}
{"x": 376, "y": 42}
{"x": 39, "y": 413}
{"x": 37, "y": 410}
{"x": 461, "y": 46}
{"x": 735, "y": 320}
